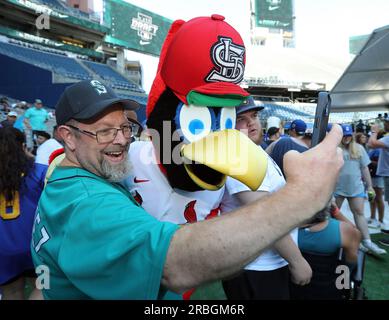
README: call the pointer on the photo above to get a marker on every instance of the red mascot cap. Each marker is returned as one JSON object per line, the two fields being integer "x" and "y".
{"x": 204, "y": 63}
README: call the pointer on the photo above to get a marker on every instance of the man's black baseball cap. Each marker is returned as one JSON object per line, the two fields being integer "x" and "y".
{"x": 248, "y": 105}
{"x": 86, "y": 99}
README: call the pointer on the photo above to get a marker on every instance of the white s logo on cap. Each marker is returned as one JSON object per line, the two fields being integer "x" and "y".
{"x": 228, "y": 60}
{"x": 100, "y": 88}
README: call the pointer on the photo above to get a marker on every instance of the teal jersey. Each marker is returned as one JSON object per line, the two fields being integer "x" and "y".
{"x": 37, "y": 118}
{"x": 97, "y": 242}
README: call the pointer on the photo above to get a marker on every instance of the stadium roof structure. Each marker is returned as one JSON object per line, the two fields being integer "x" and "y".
{"x": 364, "y": 85}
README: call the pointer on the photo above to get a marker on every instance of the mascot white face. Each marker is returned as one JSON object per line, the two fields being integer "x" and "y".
{"x": 196, "y": 122}
{"x": 198, "y": 100}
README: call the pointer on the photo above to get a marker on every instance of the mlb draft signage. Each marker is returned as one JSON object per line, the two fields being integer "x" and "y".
{"x": 135, "y": 28}
{"x": 143, "y": 24}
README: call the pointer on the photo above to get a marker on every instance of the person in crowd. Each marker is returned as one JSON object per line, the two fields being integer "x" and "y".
{"x": 21, "y": 184}
{"x": 298, "y": 141}
{"x": 35, "y": 118}
{"x": 273, "y": 134}
{"x": 320, "y": 240}
{"x": 360, "y": 127}
{"x": 48, "y": 147}
{"x": 297, "y": 128}
{"x": 378, "y": 184}
{"x": 22, "y": 105}
{"x": 4, "y": 105}
{"x": 42, "y": 137}
{"x": 155, "y": 256}
{"x": 383, "y": 160}
{"x": 361, "y": 138}
{"x": 325, "y": 235}
{"x": 350, "y": 185}
{"x": 19, "y": 123}
{"x": 267, "y": 277}
{"x": 10, "y": 121}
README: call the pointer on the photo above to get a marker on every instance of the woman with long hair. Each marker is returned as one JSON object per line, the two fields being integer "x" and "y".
{"x": 21, "y": 184}
{"x": 350, "y": 185}
{"x": 361, "y": 139}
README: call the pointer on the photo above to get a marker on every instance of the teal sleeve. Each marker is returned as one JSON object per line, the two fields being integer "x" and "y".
{"x": 27, "y": 114}
{"x": 113, "y": 249}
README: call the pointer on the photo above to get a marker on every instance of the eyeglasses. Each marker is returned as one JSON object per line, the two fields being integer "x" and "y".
{"x": 108, "y": 135}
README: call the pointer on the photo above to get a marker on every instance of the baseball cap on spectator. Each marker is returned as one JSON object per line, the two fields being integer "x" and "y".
{"x": 347, "y": 130}
{"x": 86, "y": 99}
{"x": 38, "y": 101}
{"x": 248, "y": 105}
{"x": 272, "y": 130}
{"x": 299, "y": 126}
{"x": 12, "y": 114}
{"x": 287, "y": 125}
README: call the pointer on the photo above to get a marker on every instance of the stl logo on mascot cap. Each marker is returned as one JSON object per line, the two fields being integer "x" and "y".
{"x": 206, "y": 56}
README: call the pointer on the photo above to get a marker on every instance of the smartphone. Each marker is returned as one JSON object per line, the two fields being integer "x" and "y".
{"x": 323, "y": 109}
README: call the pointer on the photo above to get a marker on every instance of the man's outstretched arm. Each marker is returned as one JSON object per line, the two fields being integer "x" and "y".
{"x": 217, "y": 248}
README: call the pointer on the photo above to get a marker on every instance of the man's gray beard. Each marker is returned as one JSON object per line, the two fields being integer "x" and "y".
{"x": 117, "y": 172}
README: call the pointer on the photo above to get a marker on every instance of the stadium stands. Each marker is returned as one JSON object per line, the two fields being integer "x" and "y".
{"x": 60, "y": 63}
{"x": 139, "y": 99}
{"x": 110, "y": 75}
{"x": 306, "y": 112}
{"x": 54, "y": 62}
{"x": 284, "y": 112}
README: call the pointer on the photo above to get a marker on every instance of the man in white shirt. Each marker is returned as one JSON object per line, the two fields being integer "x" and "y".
{"x": 47, "y": 148}
{"x": 267, "y": 277}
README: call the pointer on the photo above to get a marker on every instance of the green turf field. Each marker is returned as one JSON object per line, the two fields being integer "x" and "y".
{"x": 376, "y": 279}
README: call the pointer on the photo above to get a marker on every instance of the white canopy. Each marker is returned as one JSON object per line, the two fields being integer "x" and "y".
{"x": 364, "y": 85}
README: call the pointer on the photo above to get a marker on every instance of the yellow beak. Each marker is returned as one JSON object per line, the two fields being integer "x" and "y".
{"x": 229, "y": 152}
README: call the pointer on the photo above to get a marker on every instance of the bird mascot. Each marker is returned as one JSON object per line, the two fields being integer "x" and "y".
{"x": 179, "y": 173}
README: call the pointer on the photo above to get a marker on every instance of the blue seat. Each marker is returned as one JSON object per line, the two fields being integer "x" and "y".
{"x": 54, "y": 62}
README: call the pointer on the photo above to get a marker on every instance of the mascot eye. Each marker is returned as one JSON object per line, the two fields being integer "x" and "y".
{"x": 227, "y": 118}
{"x": 195, "y": 122}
